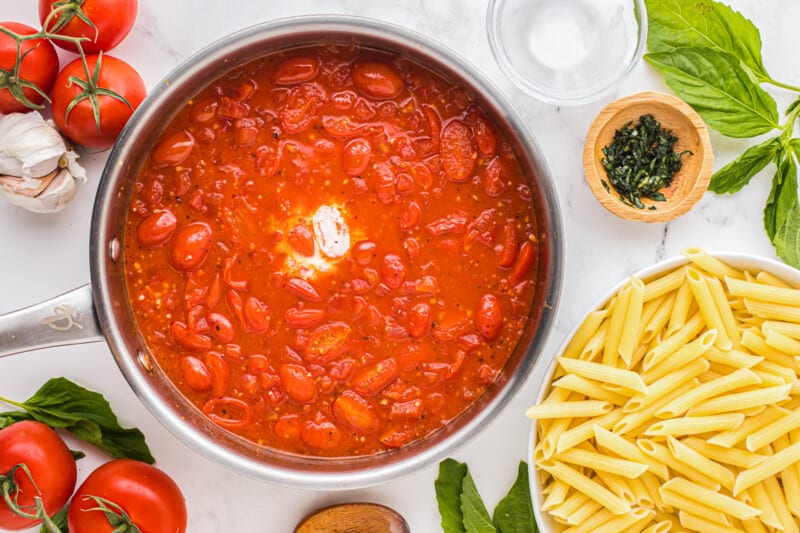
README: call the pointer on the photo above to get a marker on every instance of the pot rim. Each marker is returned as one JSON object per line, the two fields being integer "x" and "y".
{"x": 105, "y": 247}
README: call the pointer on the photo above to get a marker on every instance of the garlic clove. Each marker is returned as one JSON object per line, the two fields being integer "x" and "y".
{"x": 29, "y": 146}
{"x": 28, "y": 188}
{"x": 59, "y": 190}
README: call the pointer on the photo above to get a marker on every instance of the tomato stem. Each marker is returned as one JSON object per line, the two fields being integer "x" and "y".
{"x": 8, "y": 486}
{"x": 116, "y": 515}
{"x": 66, "y": 11}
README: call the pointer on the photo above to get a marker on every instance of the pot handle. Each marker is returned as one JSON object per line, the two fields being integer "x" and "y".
{"x": 65, "y": 319}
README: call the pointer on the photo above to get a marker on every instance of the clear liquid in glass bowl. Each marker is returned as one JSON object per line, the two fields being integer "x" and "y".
{"x": 566, "y": 51}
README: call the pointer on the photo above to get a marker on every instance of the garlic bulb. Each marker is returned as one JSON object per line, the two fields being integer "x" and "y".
{"x": 37, "y": 169}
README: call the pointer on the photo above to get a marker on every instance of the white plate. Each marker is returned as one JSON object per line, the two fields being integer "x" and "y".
{"x": 741, "y": 261}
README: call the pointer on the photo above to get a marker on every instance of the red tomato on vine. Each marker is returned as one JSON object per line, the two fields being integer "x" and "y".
{"x": 24, "y": 84}
{"x": 128, "y": 493}
{"x": 92, "y": 102}
{"x": 104, "y": 23}
{"x": 34, "y": 463}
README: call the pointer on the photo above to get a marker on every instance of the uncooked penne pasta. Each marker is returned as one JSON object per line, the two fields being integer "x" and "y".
{"x": 766, "y": 468}
{"x": 676, "y": 407}
{"x": 711, "y": 264}
{"x": 629, "y": 337}
{"x": 603, "y": 373}
{"x": 585, "y": 332}
{"x": 708, "y": 308}
{"x": 590, "y": 488}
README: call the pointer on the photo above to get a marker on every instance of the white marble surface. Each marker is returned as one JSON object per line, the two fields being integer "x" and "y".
{"x": 41, "y": 256}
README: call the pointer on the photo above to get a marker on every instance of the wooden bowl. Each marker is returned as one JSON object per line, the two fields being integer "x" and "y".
{"x": 690, "y": 182}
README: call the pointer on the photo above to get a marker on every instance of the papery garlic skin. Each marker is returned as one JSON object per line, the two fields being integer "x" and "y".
{"x": 37, "y": 169}
{"x": 54, "y": 197}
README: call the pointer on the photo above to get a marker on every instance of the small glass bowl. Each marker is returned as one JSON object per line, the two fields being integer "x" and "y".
{"x": 567, "y": 51}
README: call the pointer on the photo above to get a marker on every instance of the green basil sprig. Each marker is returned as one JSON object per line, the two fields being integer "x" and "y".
{"x": 463, "y": 511}
{"x": 62, "y": 404}
{"x": 710, "y": 56}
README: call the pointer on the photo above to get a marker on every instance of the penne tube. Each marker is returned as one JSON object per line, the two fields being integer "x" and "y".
{"x": 569, "y": 409}
{"x": 664, "y": 526}
{"x": 601, "y": 372}
{"x": 679, "y": 501}
{"x": 661, "y": 453}
{"x": 734, "y": 358}
{"x": 664, "y": 284}
{"x": 629, "y": 336}
{"x": 652, "y": 486}
{"x": 735, "y": 380}
{"x": 711, "y": 264}
{"x": 786, "y": 374}
{"x": 680, "y": 310}
{"x": 770, "y": 311}
{"x": 698, "y": 461}
{"x": 759, "y": 499}
{"x": 632, "y": 421}
{"x": 786, "y": 328}
{"x": 729, "y": 439}
{"x": 617, "y": 485}
{"x": 708, "y": 309}
{"x": 681, "y": 357}
{"x": 557, "y": 495}
{"x": 715, "y": 500}
{"x": 620, "y": 523}
{"x": 772, "y": 431}
{"x": 584, "y": 431}
{"x": 674, "y": 342}
{"x": 696, "y": 523}
{"x": 592, "y": 522}
{"x": 790, "y": 479}
{"x": 585, "y": 512}
{"x": 589, "y": 487}
{"x": 595, "y": 345}
{"x": 589, "y": 388}
{"x": 653, "y": 325}
{"x": 759, "y": 346}
{"x": 741, "y": 400}
{"x": 768, "y": 467}
{"x": 663, "y": 386}
{"x": 731, "y": 456}
{"x": 769, "y": 279}
{"x": 763, "y": 293}
{"x": 781, "y": 342}
{"x": 625, "y": 448}
{"x": 617, "y": 321}
{"x": 776, "y": 496}
{"x": 692, "y": 425}
{"x": 599, "y": 462}
{"x": 569, "y": 506}
{"x": 586, "y": 331}
{"x": 724, "y": 309}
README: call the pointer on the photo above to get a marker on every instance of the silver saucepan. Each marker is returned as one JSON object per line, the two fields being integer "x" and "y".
{"x": 102, "y": 311}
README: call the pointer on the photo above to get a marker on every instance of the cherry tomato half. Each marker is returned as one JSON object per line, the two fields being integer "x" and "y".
{"x": 51, "y": 466}
{"x": 151, "y": 499}
{"x": 81, "y": 125}
{"x": 113, "y": 20}
{"x": 39, "y": 67}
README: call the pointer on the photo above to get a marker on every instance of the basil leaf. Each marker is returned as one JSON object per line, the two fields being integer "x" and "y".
{"x": 476, "y": 517}
{"x": 704, "y": 24}
{"x": 60, "y": 403}
{"x": 77, "y": 454}
{"x": 783, "y": 196}
{"x": 6, "y": 419}
{"x": 448, "y": 495}
{"x": 787, "y": 240}
{"x": 514, "y": 513}
{"x": 738, "y": 173}
{"x": 718, "y": 88}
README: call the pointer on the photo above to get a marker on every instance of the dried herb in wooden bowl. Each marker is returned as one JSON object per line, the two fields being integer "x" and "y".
{"x": 641, "y": 161}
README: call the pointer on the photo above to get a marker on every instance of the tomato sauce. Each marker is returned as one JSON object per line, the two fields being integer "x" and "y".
{"x": 331, "y": 251}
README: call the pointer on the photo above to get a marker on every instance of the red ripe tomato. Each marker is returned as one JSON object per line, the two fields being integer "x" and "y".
{"x": 108, "y": 74}
{"x": 151, "y": 499}
{"x": 113, "y": 20}
{"x": 39, "y": 67}
{"x": 51, "y": 466}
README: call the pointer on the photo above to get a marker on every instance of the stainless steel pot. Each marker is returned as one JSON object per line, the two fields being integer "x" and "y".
{"x": 101, "y": 311}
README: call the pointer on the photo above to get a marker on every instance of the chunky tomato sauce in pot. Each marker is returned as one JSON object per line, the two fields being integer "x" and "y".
{"x": 331, "y": 251}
